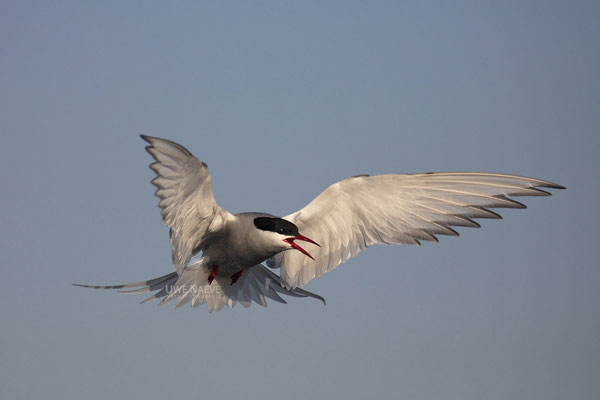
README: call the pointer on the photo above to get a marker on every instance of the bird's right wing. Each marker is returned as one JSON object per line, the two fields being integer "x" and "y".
{"x": 353, "y": 214}
{"x": 187, "y": 204}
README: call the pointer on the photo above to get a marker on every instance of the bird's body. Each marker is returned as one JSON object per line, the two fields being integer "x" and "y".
{"x": 346, "y": 218}
{"x": 238, "y": 245}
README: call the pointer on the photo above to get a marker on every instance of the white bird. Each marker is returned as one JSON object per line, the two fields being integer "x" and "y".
{"x": 344, "y": 219}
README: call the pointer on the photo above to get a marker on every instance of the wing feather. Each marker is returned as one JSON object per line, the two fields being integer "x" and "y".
{"x": 188, "y": 207}
{"x": 353, "y": 214}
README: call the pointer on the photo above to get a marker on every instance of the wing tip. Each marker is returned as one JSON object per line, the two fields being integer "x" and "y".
{"x": 554, "y": 186}
{"x": 152, "y": 140}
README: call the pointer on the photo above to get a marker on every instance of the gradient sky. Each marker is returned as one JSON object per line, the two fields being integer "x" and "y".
{"x": 281, "y": 99}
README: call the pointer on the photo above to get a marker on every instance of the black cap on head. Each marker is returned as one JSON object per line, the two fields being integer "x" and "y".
{"x": 277, "y": 225}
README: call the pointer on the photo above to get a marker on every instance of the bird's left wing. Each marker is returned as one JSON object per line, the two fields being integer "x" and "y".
{"x": 353, "y": 214}
{"x": 186, "y": 199}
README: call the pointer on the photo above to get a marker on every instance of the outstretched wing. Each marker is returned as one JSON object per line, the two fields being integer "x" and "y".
{"x": 192, "y": 286}
{"x": 353, "y": 214}
{"x": 184, "y": 188}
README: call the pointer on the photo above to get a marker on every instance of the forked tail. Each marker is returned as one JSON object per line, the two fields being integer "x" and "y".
{"x": 192, "y": 286}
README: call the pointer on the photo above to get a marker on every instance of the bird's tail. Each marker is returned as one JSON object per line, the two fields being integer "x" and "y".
{"x": 191, "y": 285}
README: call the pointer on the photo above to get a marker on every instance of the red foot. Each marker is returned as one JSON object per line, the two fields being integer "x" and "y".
{"x": 211, "y": 276}
{"x": 236, "y": 276}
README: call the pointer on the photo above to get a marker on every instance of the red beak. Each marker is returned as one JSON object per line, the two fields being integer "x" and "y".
{"x": 300, "y": 249}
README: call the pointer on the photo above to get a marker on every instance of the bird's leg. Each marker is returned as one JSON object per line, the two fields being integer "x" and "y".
{"x": 236, "y": 276}
{"x": 213, "y": 272}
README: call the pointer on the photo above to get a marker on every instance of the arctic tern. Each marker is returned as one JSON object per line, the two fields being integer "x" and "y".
{"x": 218, "y": 257}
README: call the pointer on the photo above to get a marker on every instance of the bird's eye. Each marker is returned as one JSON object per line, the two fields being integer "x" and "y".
{"x": 281, "y": 230}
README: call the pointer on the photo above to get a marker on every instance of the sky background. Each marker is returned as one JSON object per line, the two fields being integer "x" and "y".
{"x": 282, "y": 99}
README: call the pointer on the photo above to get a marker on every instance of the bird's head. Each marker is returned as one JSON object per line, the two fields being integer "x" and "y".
{"x": 285, "y": 232}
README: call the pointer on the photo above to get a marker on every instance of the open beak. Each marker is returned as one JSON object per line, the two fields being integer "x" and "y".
{"x": 290, "y": 240}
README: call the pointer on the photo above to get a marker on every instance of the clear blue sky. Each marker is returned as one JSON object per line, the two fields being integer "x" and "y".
{"x": 282, "y": 99}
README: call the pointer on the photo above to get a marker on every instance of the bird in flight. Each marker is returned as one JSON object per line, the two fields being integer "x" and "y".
{"x": 219, "y": 258}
